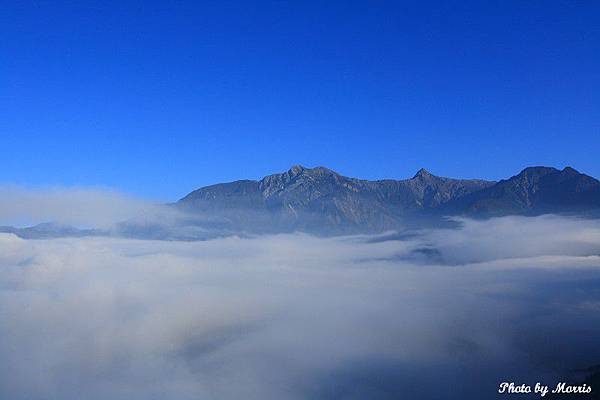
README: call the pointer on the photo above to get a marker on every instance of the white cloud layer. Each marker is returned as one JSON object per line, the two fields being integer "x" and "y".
{"x": 443, "y": 314}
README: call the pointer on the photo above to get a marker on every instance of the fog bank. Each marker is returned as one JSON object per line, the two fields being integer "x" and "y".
{"x": 435, "y": 314}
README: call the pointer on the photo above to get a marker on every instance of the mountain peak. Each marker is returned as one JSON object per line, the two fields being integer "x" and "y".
{"x": 296, "y": 169}
{"x": 570, "y": 170}
{"x": 537, "y": 171}
{"x": 422, "y": 173}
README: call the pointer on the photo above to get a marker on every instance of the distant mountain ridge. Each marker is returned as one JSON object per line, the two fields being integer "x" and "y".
{"x": 321, "y": 200}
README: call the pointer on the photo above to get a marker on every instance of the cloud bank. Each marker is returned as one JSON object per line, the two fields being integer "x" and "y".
{"x": 435, "y": 314}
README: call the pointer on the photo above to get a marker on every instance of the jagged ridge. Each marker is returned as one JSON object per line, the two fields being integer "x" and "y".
{"x": 319, "y": 199}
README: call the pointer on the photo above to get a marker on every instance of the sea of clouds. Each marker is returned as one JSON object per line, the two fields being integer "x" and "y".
{"x": 429, "y": 314}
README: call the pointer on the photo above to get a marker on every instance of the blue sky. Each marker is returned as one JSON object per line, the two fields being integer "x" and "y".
{"x": 159, "y": 98}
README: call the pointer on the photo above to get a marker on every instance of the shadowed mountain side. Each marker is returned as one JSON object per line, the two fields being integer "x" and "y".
{"x": 536, "y": 190}
{"x": 49, "y": 230}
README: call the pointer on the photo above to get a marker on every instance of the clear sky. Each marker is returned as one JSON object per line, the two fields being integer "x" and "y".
{"x": 159, "y": 98}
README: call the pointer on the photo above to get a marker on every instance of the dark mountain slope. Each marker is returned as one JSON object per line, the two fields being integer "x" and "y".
{"x": 323, "y": 201}
{"x": 533, "y": 191}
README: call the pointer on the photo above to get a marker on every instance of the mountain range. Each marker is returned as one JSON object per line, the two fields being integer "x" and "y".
{"x": 321, "y": 201}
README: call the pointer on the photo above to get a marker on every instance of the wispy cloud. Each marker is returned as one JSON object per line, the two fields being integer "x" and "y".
{"x": 88, "y": 207}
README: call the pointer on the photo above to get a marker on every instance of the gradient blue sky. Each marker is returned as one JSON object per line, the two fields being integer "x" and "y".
{"x": 159, "y": 98}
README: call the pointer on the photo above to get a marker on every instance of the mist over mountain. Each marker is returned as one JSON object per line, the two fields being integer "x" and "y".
{"x": 318, "y": 201}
